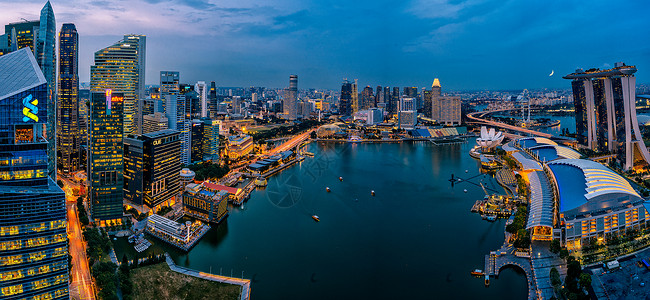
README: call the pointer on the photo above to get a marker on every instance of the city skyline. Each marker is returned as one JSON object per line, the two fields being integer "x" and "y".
{"x": 255, "y": 44}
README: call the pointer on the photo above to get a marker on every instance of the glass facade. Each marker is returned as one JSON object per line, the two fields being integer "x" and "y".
{"x": 600, "y": 100}
{"x": 619, "y": 118}
{"x": 68, "y": 139}
{"x": 345, "y": 105}
{"x": 197, "y": 141}
{"x": 105, "y": 160}
{"x": 580, "y": 103}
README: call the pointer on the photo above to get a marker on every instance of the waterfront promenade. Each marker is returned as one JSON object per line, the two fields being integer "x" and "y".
{"x": 244, "y": 283}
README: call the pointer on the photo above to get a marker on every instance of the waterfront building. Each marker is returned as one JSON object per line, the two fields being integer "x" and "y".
{"x": 407, "y": 119}
{"x": 205, "y": 203}
{"x": 178, "y": 121}
{"x": 196, "y": 141}
{"x": 152, "y": 169}
{"x": 355, "y": 96}
{"x": 375, "y": 116}
{"x": 68, "y": 139}
{"x": 345, "y": 103}
{"x": 105, "y": 159}
{"x": 202, "y": 91}
{"x": 238, "y": 146}
{"x": 33, "y": 238}
{"x": 210, "y": 140}
{"x": 446, "y": 109}
{"x": 121, "y": 68}
{"x": 154, "y": 122}
{"x": 290, "y": 103}
{"x": 606, "y": 118}
{"x": 172, "y": 231}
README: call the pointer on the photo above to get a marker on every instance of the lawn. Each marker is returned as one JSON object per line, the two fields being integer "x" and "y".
{"x": 159, "y": 282}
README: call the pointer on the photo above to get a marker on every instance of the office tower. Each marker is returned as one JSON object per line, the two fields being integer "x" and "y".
{"x": 355, "y": 96}
{"x": 46, "y": 58}
{"x": 410, "y": 92}
{"x": 210, "y": 139}
{"x": 394, "y": 101}
{"x": 407, "y": 119}
{"x": 68, "y": 118}
{"x": 196, "y": 141}
{"x": 176, "y": 114}
{"x": 427, "y": 105}
{"x": 34, "y": 252}
{"x": 202, "y": 91}
{"x": 290, "y": 104}
{"x": 367, "y": 98}
{"x": 84, "y": 111}
{"x": 436, "y": 88}
{"x": 192, "y": 105}
{"x": 375, "y": 116}
{"x": 212, "y": 101}
{"x": 254, "y": 98}
{"x": 446, "y": 109}
{"x": 236, "y": 104}
{"x": 152, "y": 169}
{"x": 105, "y": 164}
{"x": 120, "y": 68}
{"x": 407, "y": 104}
{"x": 345, "y": 103}
{"x": 606, "y": 113}
{"x": 154, "y": 122}
{"x": 169, "y": 81}
{"x": 379, "y": 97}
{"x": 19, "y": 35}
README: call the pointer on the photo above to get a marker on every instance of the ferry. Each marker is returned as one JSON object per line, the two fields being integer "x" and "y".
{"x": 316, "y": 218}
{"x": 487, "y": 280}
{"x": 340, "y": 178}
{"x": 354, "y": 139}
{"x": 328, "y": 189}
{"x": 372, "y": 192}
{"x": 477, "y": 272}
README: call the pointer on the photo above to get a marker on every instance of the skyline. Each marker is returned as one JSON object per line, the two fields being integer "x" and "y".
{"x": 244, "y": 43}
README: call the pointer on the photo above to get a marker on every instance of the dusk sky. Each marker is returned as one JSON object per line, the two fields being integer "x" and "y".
{"x": 469, "y": 45}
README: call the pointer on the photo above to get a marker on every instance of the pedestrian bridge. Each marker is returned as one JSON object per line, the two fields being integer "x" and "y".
{"x": 497, "y": 260}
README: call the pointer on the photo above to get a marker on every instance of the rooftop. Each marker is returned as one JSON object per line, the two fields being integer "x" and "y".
{"x": 19, "y": 72}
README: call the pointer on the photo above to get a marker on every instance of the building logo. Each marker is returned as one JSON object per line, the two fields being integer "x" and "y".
{"x": 30, "y": 109}
{"x": 108, "y": 101}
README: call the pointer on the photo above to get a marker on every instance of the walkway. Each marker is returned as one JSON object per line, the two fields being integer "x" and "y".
{"x": 244, "y": 283}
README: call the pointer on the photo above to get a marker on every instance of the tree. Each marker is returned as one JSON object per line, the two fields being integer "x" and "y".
{"x": 555, "y": 246}
{"x": 584, "y": 280}
{"x": 555, "y": 277}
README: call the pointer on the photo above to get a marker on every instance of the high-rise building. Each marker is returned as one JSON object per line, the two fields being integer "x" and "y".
{"x": 392, "y": 106}
{"x": 176, "y": 114}
{"x": 33, "y": 239}
{"x": 154, "y": 122}
{"x": 202, "y": 90}
{"x": 152, "y": 169}
{"x": 407, "y": 104}
{"x": 606, "y": 113}
{"x": 192, "y": 105}
{"x": 446, "y": 109}
{"x": 120, "y": 68}
{"x": 436, "y": 88}
{"x": 105, "y": 158}
{"x": 84, "y": 112}
{"x": 355, "y": 96}
{"x": 68, "y": 119}
{"x": 290, "y": 103}
{"x": 345, "y": 103}
{"x": 19, "y": 35}
{"x": 213, "y": 105}
{"x": 367, "y": 98}
{"x": 196, "y": 141}
{"x": 169, "y": 81}
{"x": 210, "y": 139}
{"x": 427, "y": 103}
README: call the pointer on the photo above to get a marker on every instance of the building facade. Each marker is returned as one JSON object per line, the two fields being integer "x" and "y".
{"x": 120, "y": 68}
{"x": 33, "y": 238}
{"x": 176, "y": 114}
{"x": 105, "y": 158}
{"x": 210, "y": 140}
{"x": 68, "y": 138}
{"x": 154, "y": 122}
{"x": 204, "y": 203}
{"x": 239, "y": 146}
{"x": 345, "y": 103}
{"x": 290, "y": 103}
{"x": 196, "y": 140}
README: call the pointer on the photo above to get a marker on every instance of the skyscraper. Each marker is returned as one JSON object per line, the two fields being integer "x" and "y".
{"x": 367, "y": 98}
{"x": 345, "y": 103}
{"x": 33, "y": 239}
{"x": 394, "y": 101}
{"x": 196, "y": 139}
{"x": 606, "y": 113}
{"x": 202, "y": 90}
{"x": 46, "y": 58}
{"x": 445, "y": 109}
{"x": 120, "y": 68}
{"x": 19, "y": 35}
{"x": 290, "y": 104}
{"x": 169, "y": 81}
{"x": 68, "y": 119}
{"x": 105, "y": 159}
{"x": 355, "y": 96}
{"x": 176, "y": 114}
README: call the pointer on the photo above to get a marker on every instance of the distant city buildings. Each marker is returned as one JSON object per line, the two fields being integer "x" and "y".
{"x": 290, "y": 103}
{"x": 407, "y": 119}
{"x": 154, "y": 122}
{"x": 605, "y": 110}
{"x": 121, "y": 68}
{"x": 105, "y": 159}
{"x": 202, "y": 90}
{"x": 345, "y": 103}
{"x": 68, "y": 138}
{"x": 33, "y": 237}
{"x": 446, "y": 109}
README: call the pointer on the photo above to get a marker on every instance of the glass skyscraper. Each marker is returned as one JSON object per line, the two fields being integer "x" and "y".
{"x": 345, "y": 103}
{"x": 120, "y": 67}
{"x": 105, "y": 160}
{"x": 33, "y": 239}
{"x": 68, "y": 110}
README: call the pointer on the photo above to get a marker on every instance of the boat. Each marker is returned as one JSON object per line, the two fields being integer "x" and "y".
{"x": 491, "y": 218}
{"x": 372, "y": 192}
{"x": 340, "y": 178}
{"x": 465, "y": 190}
{"x": 354, "y": 139}
{"x": 466, "y": 171}
{"x": 260, "y": 181}
{"x": 477, "y": 272}
{"x": 487, "y": 280}
{"x": 316, "y": 218}
{"x": 328, "y": 189}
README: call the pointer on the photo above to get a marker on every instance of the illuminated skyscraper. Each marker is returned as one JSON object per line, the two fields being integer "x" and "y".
{"x": 120, "y": 68}
{"x": 68, "y": 119}
{"x": 367, "y": 98}
{"x": 169, "y": 81}
{"x": 33, "y": 239}
{"x": 290, "y": 102}
{"x": 196, "y": 140}
{"x": 345, "y": 104}
{"x": 355, "y": 96}
{"x": 105, "y": 161}
{"x": 446, "y": 109}
{"x": 178, "y": 120}
{"x": 606, "y": 113}
{"x": 19, "y": 35}
{"x": 202, "y": 90}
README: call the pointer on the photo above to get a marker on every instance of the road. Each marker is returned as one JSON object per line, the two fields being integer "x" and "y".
{"x": 292, "y": 143}
{"x": 81, "y": 286}
{"x": 475, "y": 118}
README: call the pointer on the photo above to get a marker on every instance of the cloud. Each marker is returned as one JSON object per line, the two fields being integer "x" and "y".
{"x": 432, "y": 9}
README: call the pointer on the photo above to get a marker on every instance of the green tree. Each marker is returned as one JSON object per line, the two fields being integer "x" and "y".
{"x": 555, "y": 246}
{"x": 584, "y": 280}
{"x": 555, "y": 277}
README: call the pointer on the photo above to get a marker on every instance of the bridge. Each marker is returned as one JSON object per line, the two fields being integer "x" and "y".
{"x": 477, "y": 117}
{"x": 504, "y": 257}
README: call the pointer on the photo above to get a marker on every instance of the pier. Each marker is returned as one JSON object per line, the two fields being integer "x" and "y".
{"x": 508, "y": 256}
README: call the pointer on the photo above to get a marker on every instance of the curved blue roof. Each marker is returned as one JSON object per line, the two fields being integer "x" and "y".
{"x": 571, "y": 185}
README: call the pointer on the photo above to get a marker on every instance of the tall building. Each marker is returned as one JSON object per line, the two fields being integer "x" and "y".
{"x": 213, "y": 105}
{"x": 407, "y": 104}
{"x": 154, "y": 122}
{"x": 196, "y": 141}
{"x": 19, "y": 35}
{"x": 105, "y": 158}
{"x": 176, "y": 114}
{"x": 345, "y": 103}
{"x": 210, "y": 139}
{"x": 84, "y": 111}
{"x": 290, "y": 104}
{"x": 428, "y": 97}
{"x": 392, "y": 106}
{"x": 355, "y": 96}
{"x": 367, "y": 98}
{"x": 169, "y": 81}
{"x": 152, "y": 169}
{"x": 606, "y": 113}
{"x": 446, "y": 109}
{"x": 68, "y": 142}
{"x": 202, "y": 90}
{"x": 33, "y": 239}
{"x": 120, "y": 68}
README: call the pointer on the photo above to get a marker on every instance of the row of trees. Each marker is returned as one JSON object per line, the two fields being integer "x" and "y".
{"x": 208, "y": 170}
{"x": 575, "y": 283}
{"x": 99, "y": 244}
{"x": 81, "y": 212}
{"x": 518, "y": 228}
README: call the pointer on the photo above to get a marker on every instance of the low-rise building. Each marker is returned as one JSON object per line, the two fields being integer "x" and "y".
{"x": 205, "y": 203}
{"x": 239, "y": 146}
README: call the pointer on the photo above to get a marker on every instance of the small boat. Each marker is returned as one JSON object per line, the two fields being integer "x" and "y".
{"x": 340, "y": 178}
{"x": 466, "y": 171}
{"x": 477, "y": 272}
{"x": 492, "y": 218}
{"x": 372, "y": 192}
{"x": 328, "y": 189}
{"x": 487, "y": 280}
{"x": 465, "y": 190}
{"x": 316, "y": 218}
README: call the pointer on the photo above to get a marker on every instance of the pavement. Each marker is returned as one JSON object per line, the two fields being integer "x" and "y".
{"x": 543, "y": 260}
{"x": 624, "y": 283}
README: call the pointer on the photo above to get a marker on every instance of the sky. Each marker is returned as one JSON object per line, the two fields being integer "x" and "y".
{"x": 468, "y": 45}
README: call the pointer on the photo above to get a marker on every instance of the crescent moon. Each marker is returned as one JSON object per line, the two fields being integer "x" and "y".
{"x": 552, "y": 72}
